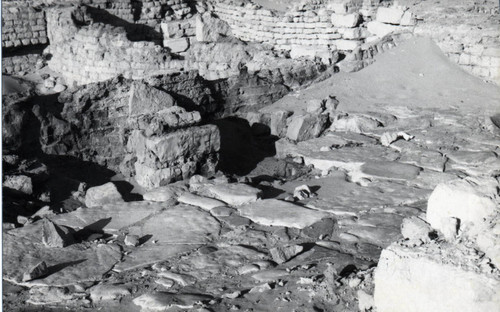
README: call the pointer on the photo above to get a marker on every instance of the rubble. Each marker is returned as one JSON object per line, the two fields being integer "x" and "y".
{"x": 250, "y": 155}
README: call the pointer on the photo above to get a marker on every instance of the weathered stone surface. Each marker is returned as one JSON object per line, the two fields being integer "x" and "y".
{"x": 103, "y": 194}
{"x": 282, "y": 254}
{"x": 110, "y": 217}
{"x": 200, "y": 201}
{"x": 210, "y": 28}
{"x": 201, "y": 144}
{"x": 38, "y": 270}
{"x": 177, "y": 45}
{"x": 415, "y": 228}
{"x": 132, "y": 240}
{"x": 345, "y": 20}
{"x": 347, "y": 158}
{"x": 306, "y": 127}
{"x": 274, "y": 212}
{"x": 354, "y": 123}
{"x": 162, "y": 301}
{"x": 234, "y": 194}
{"x": 66, "y": 266}
{"x": 323, "y": 229}
{"x": 165, "y": 193}
{"x": 149, "y": 253}
{"x": 380, "y": 29}
{"x": 104, "y": 292}
{"x": 389, "y": 15}
{"x": 427, "y": 278}
{"x": 181, "y": 224}
{"x": 390, "y": 170}
{"x": 54, "y": 235}
{"x": 471, "y": 202}
{"x": 19, "y": 183}
{"x": 145, "y": 99}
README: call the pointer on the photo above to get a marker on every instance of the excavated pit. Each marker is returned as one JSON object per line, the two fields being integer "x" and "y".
{"x": 182, "y": 155}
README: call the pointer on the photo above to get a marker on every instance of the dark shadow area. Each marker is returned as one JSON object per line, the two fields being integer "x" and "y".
{"x": 314, "y": 188}
{"x": 240, "y": 150}
{"x": 135, "y": 32}
{"x": 58, "y": 267}
{"x": 125, "y": 189}
{"x": 347, "y": 270}
{"x": 86, "y": 232}
{"x": 24, "y": 50}
{"x": 145, "y": 238}
{"x": 269, "y": 191}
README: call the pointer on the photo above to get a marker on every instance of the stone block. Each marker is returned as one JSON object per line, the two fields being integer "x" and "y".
{"x": 305, "y": 127}
{"x": 347, "y": 45}
{"x": 103, "y": 194}
{"x": 440, "y": 278}
{"x": 473, "y": 204}
{"x": 177, "y": 45}
{"x": 345, "y": 20}
{"x": 389, "y": 15}
{"x": 380, "y": 29}
{"x": 210, "y": 28}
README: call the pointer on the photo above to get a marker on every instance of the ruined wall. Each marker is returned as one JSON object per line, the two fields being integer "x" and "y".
{"x": 98, "y": 53}
{"x": 22, "y": 25}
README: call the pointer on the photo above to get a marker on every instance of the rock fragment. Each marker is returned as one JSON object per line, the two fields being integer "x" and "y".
{"x": 54, "y": 235}
{"x": 162, "y": 301}
{"x": 302, "y": 192}
{"x": 20, "y": 183}
{"x": 36, "y": 271}
{"x": 415, "y": 228}
{"x": 132, "y": 240}
{"x": 282, "y": 254}
{"x": 103, "y": 194}
{"x": 103, "y": 292}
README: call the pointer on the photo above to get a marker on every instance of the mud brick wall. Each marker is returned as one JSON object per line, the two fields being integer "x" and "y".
{"x": 20, "y": 63}
{"x": 306, "y": 28}
{"x": 22, "y": 25}
{"x": 98, "y": 53}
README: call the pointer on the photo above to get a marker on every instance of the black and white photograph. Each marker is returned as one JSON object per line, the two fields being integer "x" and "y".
{"x": 250, "y": 155}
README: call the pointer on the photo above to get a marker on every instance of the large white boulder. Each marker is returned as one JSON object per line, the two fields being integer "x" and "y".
{"x": 434, "y": 277}
{"x": 103, "y": 194}
{"x": 472, "y": 202}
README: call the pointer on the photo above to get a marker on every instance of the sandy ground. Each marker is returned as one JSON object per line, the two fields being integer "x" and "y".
{"x": 416, "y": 74}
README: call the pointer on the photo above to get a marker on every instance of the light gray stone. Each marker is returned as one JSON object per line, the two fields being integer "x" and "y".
{"x": 273, "y": 212}
{"x": 103, "y": 194}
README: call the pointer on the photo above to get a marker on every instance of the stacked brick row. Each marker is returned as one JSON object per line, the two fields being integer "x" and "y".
{"x": 302, "y": 28}
{"x": 20, "y": 63}
{"x": 98, "y": 53}
{"x": 22, "y": 25}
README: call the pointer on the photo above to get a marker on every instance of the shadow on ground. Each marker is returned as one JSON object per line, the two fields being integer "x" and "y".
{"x": 241, "y": 150}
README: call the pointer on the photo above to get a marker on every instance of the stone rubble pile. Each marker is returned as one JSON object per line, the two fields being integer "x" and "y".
{"x": 420, "y": 274}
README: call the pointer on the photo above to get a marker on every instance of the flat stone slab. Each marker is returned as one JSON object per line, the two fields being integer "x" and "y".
{"x": 152, "y": 253}
{"x": 111, "y": 217}
{"x": 392, "y": 170}
{"x": 181, "y": 224}
{"x": 342, "y": 198}
{"x": 205, "y": 203}
{"x": 67, "y": 266}
{"x": 323, "y": 154}
{"x": 273, "y": 212}
{"x": 162, "y": 301}
{"x": 234, "y": 194}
